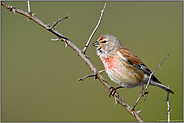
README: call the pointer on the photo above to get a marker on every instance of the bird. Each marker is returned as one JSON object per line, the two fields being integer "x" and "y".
{"x": 122, "y": 66}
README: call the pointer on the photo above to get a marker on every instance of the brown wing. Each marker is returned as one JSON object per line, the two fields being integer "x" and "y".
{"x": 134, "y": 60}
{"x": 130, "y": 56}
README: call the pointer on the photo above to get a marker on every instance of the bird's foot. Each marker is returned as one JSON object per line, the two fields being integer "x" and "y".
{"x": 113, "y": 90}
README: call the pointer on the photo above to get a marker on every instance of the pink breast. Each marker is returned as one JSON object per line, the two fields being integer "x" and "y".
{"x": 110, "y": 62}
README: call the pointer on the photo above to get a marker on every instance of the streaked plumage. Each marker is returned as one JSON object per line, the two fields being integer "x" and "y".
{"x": 122, "y": 66}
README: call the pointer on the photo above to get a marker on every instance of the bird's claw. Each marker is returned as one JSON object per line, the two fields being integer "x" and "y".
{"x": 144, "y": 94}
{"x": 112, "y": 92}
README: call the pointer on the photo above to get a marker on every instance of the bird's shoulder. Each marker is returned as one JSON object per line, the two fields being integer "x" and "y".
{"x": 129, "y": 55}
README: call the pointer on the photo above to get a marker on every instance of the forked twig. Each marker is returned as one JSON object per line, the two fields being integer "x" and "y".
{"x": 92, "y": 75}
{"x": 148, "y": 83}
{"x": 57, "y": 22}
{"x": 29, "y": 9}
{"x": 87, "y": 44}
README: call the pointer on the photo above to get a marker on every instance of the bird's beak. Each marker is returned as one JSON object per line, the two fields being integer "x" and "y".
{"x": 96, "y": 44}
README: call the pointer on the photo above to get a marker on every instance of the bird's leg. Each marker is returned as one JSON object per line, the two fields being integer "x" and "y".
{"x": 144, "y": 92}
{"x": 113, "y": 90}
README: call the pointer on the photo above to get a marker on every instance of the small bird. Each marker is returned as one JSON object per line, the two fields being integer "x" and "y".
{"x": 122, "y": 66}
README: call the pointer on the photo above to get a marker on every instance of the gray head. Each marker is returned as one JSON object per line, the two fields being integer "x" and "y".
{"x": 107, "y": 43}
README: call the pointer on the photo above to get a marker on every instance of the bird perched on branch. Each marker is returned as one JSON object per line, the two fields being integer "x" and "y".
{"x": 122, "y": 66}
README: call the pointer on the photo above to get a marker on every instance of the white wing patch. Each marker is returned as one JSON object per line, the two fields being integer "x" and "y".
{"x": 122, "y": 56}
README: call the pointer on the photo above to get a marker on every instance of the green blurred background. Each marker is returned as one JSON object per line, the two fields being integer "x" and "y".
{"x": 40, "y": 77}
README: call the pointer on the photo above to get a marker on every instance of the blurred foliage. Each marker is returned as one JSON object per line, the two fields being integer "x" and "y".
{"x": 39, "y": 76}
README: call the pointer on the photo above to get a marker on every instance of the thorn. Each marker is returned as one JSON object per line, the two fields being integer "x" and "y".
{"x": 116, "y": 102}
{"x": 101, "y": 71}
{"x": 61, "y": 39}
{"x": 138, "y": 112}
{"x": 66, "y": 44}
{"x": 33, "y": 14}
{"x": 55, "y": 39}
{"x": 13, "y": 11}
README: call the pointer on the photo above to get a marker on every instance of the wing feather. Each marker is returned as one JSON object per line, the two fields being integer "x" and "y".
{"x": 134, "y": 60}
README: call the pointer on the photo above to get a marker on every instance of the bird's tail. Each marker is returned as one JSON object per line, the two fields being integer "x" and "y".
{"x": 161, "y": 86}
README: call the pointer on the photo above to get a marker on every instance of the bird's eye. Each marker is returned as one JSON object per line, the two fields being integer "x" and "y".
{"x": 104, "y": 41}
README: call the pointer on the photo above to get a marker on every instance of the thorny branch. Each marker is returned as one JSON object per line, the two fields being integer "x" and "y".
{"x": 119, "y": 100}
{"x": 96, "y": 73}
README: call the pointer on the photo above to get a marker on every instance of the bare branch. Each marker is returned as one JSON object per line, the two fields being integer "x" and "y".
{"x": 92, "y": 75}
{"x": 11, "y": 8}
{"x": 28, "y": 7}
{"x": 148, "y": 83}
{"x": 57, "y": 22}
{"x": 168, "y": 105}
{"x": 119, "y": 100}
{"x": 87, "y": 44}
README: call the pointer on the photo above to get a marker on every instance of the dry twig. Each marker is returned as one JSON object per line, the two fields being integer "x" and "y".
{"x": 57, "y": 22}
{"x": 87, "y": 44}
{"x": 29, "y": 9}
